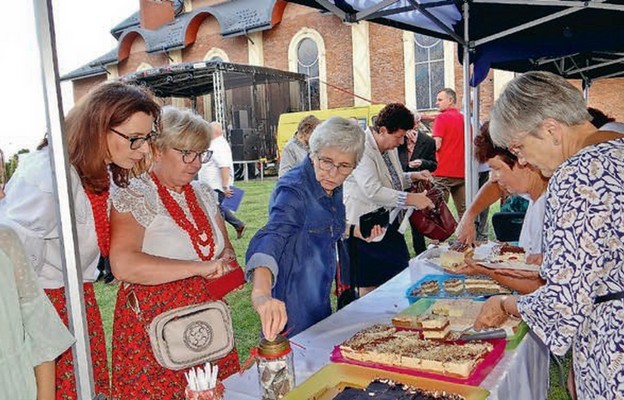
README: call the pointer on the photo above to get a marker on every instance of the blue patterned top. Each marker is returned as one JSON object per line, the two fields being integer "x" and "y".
{"x": 298, "y": 245}
{"x": 584, "y": 258}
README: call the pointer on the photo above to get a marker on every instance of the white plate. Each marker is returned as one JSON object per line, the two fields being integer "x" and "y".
{"x": 510, "y": 265}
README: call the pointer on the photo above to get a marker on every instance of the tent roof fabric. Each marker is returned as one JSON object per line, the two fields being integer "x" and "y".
{"x": 507, "y": 34}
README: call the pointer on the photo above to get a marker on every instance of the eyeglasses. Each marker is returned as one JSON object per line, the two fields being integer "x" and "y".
{"x": 137, "y": 141}
{"x": 189, "y": 156}
{"x": 327, "y": 165}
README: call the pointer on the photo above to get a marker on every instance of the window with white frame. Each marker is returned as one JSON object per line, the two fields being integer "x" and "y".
{"x": 429, "y": 70}
{"x": 308, "y": 64}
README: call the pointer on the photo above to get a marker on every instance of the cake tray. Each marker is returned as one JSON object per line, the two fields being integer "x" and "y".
{"x": 515, "y": 333}
{"x": 482, "y": 369}
{"x": 330, "y": 380}
{"x": 443, "y": 294}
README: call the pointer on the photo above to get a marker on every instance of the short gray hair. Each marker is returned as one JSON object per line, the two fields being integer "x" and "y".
{"x": 340, "y": 133}
{"x": 183, "y": 128}
{"x": 450, "y": 93}
{"x": 529, "y": 99}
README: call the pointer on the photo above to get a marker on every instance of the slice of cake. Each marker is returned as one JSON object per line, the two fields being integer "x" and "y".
{"x": 505, "y": 252}
{"x": 430, "y": 287}
{"x": 482, "y": 285}
{"x": 449, "y": 308}
{"x": 427, "y": 288}
{"x": 454, "y": 286}
{"x": 455, "y": 257}
{"x": 435, "y": 327}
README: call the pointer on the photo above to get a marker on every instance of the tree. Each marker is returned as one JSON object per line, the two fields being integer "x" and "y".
{"x": 11, "y": 165}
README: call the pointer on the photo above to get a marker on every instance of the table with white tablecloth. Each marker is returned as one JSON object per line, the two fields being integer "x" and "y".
{"x": 521, "y": 373}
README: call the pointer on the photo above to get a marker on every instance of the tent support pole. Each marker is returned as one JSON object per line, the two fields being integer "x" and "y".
{"x": 586, "y": 85}
{"x": 469, "y": 171}
{"x": 60, "y": 165}
{"x": 475, "y": 129}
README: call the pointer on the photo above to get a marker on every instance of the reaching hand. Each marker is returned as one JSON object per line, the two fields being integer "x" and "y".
{"x": 415, "y": 163}
{"x": 228, "y": 254}
{"x": 376, "y": 231}
{"x": 419, "y": 200}
{"x": 422, "y": 176}
{"x": 471, "y": 268}
{"x": 466, "y": 232}
{"x": 492, "y": 314}
{"x": 228, "y": 192}
{"x": 214, "y": 268}
{"x": 272, "y": 314}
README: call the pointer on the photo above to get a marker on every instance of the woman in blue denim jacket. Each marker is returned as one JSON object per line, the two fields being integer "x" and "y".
{"x": 292, "y": 260}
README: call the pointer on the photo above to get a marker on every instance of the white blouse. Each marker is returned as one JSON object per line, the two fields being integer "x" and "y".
{"x": 533, "y": 225}
{"x": 163, "y": 237}
{"x": 30, "y": 208}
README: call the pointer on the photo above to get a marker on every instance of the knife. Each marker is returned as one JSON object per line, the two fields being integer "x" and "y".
{"x": 489, "y": 334}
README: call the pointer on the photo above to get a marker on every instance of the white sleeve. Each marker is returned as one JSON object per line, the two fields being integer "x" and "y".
{"x": 29, "y": 206}
{"x": 44, "y": 331}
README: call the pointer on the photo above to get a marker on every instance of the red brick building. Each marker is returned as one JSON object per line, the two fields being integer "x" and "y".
{"x": 347, "y": 63}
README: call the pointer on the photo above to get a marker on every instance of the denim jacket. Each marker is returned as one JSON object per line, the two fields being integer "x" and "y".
{"x": 298, "y": 245}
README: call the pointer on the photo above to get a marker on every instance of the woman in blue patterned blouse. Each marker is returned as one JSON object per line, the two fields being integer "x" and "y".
{"x": 292, "y": 260}
{"x": 543, "y": 119}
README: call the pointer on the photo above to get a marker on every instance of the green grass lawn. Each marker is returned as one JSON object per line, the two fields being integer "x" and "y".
{"x": 253, "y": 211}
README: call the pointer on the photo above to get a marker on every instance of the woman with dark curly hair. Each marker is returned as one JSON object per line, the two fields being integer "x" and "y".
{"x": 379, "y": 181}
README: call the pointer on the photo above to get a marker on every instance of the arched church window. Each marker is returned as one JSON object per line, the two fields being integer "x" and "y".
{"x": 429, "y": 62}
{"x": 308, "y": 64}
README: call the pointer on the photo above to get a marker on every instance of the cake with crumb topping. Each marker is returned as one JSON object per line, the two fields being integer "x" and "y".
{"x": 384, "y": 344}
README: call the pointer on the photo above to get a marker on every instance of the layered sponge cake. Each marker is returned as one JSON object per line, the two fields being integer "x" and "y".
{"x": 455, "y": 257}
{"x": 384, "y": 344}
{"x": 505, "y": 252}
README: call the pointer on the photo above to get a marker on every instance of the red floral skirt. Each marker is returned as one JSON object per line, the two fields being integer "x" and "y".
{"x": 136, "y": 373}
{"x": 65, "y": 380}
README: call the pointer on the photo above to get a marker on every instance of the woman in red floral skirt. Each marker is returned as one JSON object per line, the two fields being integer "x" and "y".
{"x": 170, "y": 249}
{"x": 108, "y": 134}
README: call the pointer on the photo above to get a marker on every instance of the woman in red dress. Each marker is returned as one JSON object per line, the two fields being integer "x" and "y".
{"x": 108, "y": 134}
{"x": 170, "y": 249}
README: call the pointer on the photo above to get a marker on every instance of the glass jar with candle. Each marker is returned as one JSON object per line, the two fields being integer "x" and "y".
{"x": 276, "y": 371}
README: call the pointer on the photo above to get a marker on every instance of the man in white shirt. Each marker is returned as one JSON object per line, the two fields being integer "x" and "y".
{"x": 219, "y": 174}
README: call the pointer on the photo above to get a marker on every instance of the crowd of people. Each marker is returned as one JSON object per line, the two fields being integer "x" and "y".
{"x": 148, "y": 185}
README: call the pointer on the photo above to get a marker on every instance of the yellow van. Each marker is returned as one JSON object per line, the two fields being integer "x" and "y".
{"x": 287, "y": 125}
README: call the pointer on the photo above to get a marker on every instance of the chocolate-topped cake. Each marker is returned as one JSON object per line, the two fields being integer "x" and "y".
{"x": 386, "y": 389}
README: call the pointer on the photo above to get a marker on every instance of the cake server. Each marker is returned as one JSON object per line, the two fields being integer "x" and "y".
{"x": 482, "y": 335}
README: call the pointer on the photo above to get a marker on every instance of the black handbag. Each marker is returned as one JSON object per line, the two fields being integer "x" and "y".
{"x": 347, "y": 264}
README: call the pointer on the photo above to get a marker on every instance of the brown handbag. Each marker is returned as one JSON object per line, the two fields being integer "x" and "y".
{"x": 437, "y": 223}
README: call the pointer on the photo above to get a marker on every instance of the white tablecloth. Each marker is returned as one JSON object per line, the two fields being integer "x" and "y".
{"x": 521, "y": 374}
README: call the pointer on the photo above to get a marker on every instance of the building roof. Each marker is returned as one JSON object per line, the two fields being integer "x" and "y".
{"x": 234, "y": 17}
{"x": 93, "y": 68}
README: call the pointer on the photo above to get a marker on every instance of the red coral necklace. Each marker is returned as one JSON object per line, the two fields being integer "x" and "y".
{"x": 99, "y": 205}
{"x": 201, "y": 232}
